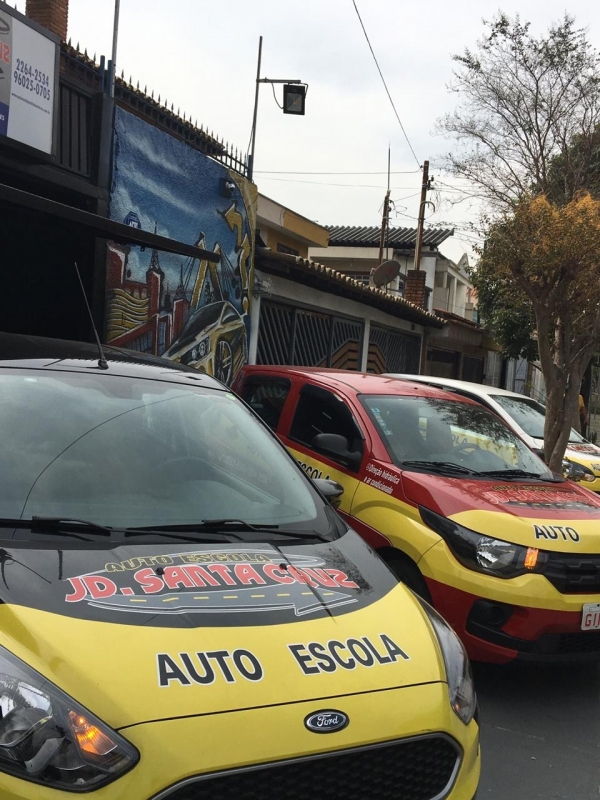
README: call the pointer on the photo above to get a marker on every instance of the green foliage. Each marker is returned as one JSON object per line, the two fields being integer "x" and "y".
{"x": 507, "y": 312}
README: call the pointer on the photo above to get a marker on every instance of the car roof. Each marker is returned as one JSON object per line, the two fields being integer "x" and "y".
{"x": 36, "y": 352}
{"x": 466, "y": 386}
{"x": 358, "y": 382}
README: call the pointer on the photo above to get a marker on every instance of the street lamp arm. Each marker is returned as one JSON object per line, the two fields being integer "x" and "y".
{"x": 277, "y": 80}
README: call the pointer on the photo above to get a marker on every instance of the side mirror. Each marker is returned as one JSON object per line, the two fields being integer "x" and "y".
{"x": 332, "y": 491}
{"x": 539, "y": 453}
{"x": 337, "y": 447}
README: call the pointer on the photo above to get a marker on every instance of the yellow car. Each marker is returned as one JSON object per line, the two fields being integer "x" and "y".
{"x": 183, "y": 616}
{"x": 214, "y": 341}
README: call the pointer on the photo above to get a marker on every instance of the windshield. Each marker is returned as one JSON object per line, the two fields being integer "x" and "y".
{"x": 529, "y": 415}
{"x": 430, "y": 430}
{"x": 127, "y": 452}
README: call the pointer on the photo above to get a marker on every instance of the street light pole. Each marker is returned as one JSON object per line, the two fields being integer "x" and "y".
{"x": 296, "y": 106}
{"x": 253, "y": 134}
{"x": 114, "y": 47}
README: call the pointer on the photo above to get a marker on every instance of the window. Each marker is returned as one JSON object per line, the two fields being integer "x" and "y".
{"x": 320, "y": 411}
{"x": 230, "y": 315}
{"x": 266, "y": 396}
{"x": 283, "y": 248}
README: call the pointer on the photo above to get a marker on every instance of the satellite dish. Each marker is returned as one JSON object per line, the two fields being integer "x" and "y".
{"x": 385, "y": 273}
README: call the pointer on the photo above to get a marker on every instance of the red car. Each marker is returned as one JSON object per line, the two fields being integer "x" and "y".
{"x": 456, "y": 504}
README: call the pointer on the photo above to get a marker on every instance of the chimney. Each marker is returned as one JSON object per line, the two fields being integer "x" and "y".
{"x": 414, "y": 288}
{"x": 51, "y": 14}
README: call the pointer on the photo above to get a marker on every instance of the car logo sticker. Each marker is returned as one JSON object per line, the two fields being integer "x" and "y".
{"x": 326, "y": 721}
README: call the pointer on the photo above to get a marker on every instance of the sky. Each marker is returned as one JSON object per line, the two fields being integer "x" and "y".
{"x": 202, "y": 57}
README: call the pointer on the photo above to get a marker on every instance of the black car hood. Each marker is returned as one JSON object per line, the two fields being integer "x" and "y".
{"x": 194, "y": 585}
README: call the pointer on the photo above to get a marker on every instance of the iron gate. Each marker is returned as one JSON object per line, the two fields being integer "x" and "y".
{"x": 392, "y": 351}
{"x": 288, "y": 335}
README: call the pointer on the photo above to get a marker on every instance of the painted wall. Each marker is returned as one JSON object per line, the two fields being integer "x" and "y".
{"x": 181, "y": 308}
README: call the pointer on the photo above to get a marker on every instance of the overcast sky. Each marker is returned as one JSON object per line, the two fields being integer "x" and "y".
{"x": 202, "y": 56}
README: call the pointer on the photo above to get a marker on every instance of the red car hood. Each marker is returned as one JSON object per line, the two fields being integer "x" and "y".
{"x": 551, "y": 513}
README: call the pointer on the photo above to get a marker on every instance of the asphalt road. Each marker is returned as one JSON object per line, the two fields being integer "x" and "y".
{"x": 540, "y": 732}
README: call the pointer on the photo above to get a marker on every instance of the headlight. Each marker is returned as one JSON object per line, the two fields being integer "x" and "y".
{"x": 458, "y": 669}
{"x": 48, "y": 738}
{"x": 577, "y": 472}
{"x": 484, "y": 553}
{"x": 203, "y": 347}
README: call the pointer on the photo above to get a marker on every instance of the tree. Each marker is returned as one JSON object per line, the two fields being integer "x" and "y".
{"x": 528, "y": 136}
{"x": 552, "y": 254}
{"x": 530, "y": 113}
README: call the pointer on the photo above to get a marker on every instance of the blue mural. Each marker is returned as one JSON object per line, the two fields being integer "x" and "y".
{"x": 185, "y": 309}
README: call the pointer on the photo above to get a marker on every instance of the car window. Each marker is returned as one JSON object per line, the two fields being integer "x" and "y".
{"x": 230, "y": 315}
{"x": 529, "y": 415}
{"x": 266, "y": 396}
{"x": 131, "y": 452}
{"x": 320, "y": 411}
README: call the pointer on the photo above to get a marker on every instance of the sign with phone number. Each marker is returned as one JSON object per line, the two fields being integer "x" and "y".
{"x": 27, "y": 83}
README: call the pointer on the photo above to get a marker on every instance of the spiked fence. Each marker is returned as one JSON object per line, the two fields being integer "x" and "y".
{"x": 82, "y": 69}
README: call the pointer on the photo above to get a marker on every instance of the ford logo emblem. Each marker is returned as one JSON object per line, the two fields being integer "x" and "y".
{"x": 326, "y": 721}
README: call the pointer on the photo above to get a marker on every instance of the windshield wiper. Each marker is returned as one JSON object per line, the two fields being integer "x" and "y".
{"x": 53, "y": 525}
{"x": 440, "y": 466}
{"x": 60, "y": 523}
{"x": 227, "y": 527}
{"x": 516, "y": 473}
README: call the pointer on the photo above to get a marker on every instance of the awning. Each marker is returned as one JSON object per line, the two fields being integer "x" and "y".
{"x": 100, "y": 226}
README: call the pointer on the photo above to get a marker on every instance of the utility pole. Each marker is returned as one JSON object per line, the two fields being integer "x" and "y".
{"x": 386, "y": 215}
{"x": 419, "y": 242}
{"x": 384, "y": 224}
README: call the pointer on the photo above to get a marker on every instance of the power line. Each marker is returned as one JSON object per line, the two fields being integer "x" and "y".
{"x": 346, "y": 185}
{"x": 292, "y": 172}
{"x": 384, "y": 83}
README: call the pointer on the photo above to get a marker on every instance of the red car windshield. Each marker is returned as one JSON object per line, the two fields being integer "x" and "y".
{"x": 436, "y": 431}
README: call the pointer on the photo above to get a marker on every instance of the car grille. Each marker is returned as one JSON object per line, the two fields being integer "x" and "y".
{"x": 414, "y": 769}
{"x": 571, "y": 573}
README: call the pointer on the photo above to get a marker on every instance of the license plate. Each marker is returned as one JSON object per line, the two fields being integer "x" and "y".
{"x": 590, "y": 617}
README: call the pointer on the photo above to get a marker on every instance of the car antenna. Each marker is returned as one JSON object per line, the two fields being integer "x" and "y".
{"x": 102, "y": 362}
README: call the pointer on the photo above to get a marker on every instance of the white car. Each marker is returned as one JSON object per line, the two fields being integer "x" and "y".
{"x": 525, "y": 416}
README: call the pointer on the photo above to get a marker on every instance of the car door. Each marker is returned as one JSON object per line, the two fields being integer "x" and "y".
{"x": 317, "y": 410}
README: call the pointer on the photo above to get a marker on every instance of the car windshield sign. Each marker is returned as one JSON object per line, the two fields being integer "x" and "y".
{"x": 130, "y": 453}
{"x": 451, "y": 437}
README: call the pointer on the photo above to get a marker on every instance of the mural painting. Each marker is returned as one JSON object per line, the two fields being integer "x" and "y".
{"x": 185, "y": 309}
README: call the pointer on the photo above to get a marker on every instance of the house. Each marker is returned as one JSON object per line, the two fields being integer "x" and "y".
{"x": 460, "y": 348}
{"x": 312, "y": 314}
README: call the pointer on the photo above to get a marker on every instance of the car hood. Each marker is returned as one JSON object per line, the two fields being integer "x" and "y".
{"x": 147, "y": 632}
{"x": 581, "y": 451}
{"x": 551, "y": 516}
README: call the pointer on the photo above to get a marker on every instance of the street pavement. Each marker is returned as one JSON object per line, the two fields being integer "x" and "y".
{"x": 540, "y": 731}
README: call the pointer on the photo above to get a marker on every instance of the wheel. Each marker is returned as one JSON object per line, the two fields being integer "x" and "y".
{"x": 408, "y": 572}
{"x": 223, "y": 361}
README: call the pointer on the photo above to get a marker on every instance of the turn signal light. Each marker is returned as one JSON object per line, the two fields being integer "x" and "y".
{"x": 531, "y": 557}
{"x": 90, "y": 739}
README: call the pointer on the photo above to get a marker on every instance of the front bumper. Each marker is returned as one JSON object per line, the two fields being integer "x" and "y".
{"x": 500, "y": 620}
{"x": 201, "y": 757}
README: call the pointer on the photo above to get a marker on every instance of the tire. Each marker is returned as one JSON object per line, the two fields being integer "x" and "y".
{"x": 223, "y": 362}
{"x": 408, "y": 572}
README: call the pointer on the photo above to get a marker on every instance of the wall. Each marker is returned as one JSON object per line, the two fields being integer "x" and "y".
{"x": 168, "y": 305}
{"x": 277, "y": 288}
